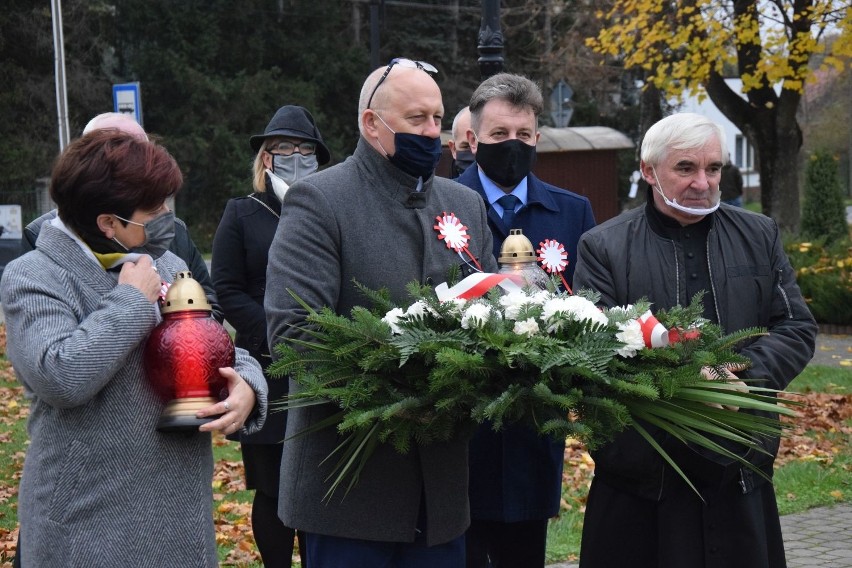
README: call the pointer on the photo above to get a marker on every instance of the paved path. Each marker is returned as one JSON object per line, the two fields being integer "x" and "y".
{"x": 819, "y": 537}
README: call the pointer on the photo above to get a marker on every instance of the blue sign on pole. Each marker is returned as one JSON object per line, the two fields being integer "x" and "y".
{"x": 126, "y": 99}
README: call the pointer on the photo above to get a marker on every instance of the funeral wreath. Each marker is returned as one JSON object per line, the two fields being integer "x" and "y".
{"x": 489, "y": 350}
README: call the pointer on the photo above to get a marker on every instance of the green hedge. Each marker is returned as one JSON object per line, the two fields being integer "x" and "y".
{"x": 824, "y": 273}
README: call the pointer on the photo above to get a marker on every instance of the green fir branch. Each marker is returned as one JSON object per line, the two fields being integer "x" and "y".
{"x": 429, "y": 374}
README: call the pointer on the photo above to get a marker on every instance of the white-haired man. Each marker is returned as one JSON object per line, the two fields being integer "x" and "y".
{"x": 640, "y": 512}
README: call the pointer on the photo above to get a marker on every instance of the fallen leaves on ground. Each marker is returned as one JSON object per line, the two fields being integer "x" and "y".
{"x": 815, "y": 433}
{"x": 576, "y": 476}
{"x": 232, "y": 518}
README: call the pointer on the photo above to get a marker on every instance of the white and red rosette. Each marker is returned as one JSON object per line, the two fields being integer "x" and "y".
{"x": 454, "y": 234}
{"x": 554, "y": 259}
{"x": 452, "y": 231}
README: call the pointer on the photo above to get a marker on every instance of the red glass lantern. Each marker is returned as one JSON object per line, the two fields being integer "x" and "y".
{"x": 183, "y": 356}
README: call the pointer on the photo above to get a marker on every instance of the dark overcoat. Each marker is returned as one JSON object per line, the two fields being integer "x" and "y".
{"x": 238, "y": 269}
{"x": 636, "y": 496}
{"x": 515, "y": 474}
{"x": 364, "y": 220}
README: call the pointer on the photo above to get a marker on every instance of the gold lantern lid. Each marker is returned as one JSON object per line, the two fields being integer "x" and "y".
{"x": 185, "y": 294}
{"x": 516, "y": 249}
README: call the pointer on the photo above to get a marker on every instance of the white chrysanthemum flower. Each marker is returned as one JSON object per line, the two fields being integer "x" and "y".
{"x": 418, "y": 310}
{"x": 621, "y": 310}
{"x": 630, "y": 333}
{"x": 540, "y": 297}
{"x": 476, "y": 315}
{"x": 575, "y": 308}
{"x": 528, "y": 327}
{"x": 392, "y": 319}
{"x": 513, "y": 302}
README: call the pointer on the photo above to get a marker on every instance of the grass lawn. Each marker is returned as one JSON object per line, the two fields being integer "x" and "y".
{"x": 814, "y": 466}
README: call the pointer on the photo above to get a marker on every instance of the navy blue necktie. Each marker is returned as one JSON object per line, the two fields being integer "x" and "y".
{"x": 508, "y": 203}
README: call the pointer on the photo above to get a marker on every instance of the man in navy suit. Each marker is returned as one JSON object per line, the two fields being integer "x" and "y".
{"x": 516, "y": 475}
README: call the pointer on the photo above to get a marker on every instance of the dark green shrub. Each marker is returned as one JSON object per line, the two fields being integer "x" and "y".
{"x": 824, "y": 275}
{"x": 824, "y": 212}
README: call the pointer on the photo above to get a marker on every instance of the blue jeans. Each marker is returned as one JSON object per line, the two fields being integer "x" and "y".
{"x": 325, "y": 551}
{"x": 735, "y": 201}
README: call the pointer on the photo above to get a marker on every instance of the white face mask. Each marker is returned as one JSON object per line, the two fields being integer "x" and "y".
{"x": 697, "y": 211}
{"x": 279, "y": 186}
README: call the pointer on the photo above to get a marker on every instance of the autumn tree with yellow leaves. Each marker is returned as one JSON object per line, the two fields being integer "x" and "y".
{"x": 690, "y": 46}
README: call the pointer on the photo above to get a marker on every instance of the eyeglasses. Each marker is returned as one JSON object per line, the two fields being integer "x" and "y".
{"x": 402, "y": 62}
{"x": 143, "y": 225}
{"x": 286, "y": 148}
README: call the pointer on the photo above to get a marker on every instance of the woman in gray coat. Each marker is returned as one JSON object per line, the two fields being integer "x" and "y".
{"x": 101, "y": 486}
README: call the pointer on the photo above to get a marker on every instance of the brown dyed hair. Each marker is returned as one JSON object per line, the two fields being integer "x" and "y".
{"x": 107, "y": 171}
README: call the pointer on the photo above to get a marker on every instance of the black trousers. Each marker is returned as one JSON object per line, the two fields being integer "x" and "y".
{"x": 274, "y": 539}
{"x": 492, "y": 544}
{"x": 731, "y": 529}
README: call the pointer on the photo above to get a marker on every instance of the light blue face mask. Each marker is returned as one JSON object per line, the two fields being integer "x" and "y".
{"x": 293, "y": 167}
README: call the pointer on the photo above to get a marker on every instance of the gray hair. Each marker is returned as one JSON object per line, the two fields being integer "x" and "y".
{"x": 516, "y": 90}
{"x": 680, "y": 131}
{"x": 366, "y": 91}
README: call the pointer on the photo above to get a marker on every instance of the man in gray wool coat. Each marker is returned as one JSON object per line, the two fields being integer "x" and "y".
{"x": 371, "y": 219}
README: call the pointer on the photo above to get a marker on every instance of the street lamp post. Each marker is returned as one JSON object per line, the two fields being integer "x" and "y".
{"x": 490, "y": 40}
{"x": 59, "y": 59}
{"x": 375, "y": 7}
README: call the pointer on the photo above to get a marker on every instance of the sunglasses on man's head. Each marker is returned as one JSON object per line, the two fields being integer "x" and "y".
{"x": 402, "y": 62}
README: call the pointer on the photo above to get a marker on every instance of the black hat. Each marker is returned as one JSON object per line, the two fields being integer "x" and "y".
{"x": 296, "y": 122}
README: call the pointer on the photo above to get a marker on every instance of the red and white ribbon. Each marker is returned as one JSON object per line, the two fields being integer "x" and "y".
{"x": 477, "y": 285}
{"x": 654, "y": 333}
{"x": 164, "y": 289}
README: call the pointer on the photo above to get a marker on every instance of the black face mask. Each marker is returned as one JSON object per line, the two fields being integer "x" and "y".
{"x": 416, "y": 155}
{"x": 464, "y": 159}
{"x": 507, "y": 162}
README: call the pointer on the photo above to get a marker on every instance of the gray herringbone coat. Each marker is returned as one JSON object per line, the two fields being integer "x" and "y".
{"x": 363, "y": 220}
{"x": 101, "y": 487}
